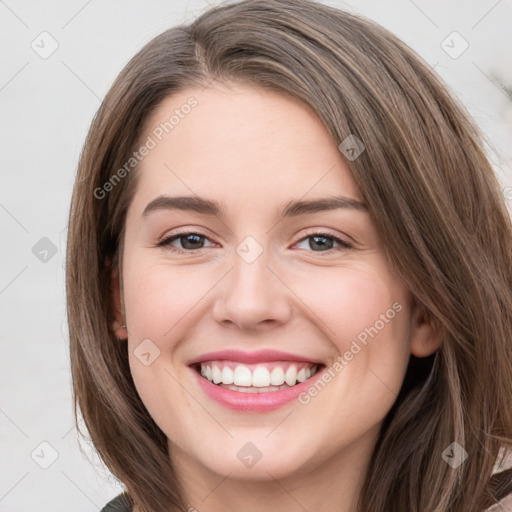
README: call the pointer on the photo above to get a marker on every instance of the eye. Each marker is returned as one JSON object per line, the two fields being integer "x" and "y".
{"x": 324, "y": 241}
{"x": 189, "y": 240}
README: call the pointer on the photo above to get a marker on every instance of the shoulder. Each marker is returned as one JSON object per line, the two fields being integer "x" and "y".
{"x": 504, "y": 505}
{"x": 501, "y": 485}
{"x": 118, "y": 504}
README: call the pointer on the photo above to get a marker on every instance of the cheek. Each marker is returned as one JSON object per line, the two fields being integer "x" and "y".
{"x": 158, "y": 298}
{"x": 353, "y": 303}
{"x": 159, "y": 304}
{"x": 364, "y": 313}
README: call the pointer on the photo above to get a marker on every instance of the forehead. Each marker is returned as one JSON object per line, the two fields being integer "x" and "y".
{"x": 240, "y": 143}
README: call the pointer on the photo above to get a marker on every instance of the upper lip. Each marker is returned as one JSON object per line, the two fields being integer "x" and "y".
{"x": 259, "y": 356}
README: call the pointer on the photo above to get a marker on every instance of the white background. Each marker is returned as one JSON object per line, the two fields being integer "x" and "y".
{"x": 46, "y": 106}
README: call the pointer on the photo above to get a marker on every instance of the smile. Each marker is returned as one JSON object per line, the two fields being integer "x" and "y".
{"x": 257, "y": 378}
{"x": 254, "y": 386}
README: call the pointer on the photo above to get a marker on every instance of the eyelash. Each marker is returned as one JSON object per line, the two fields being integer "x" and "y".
{"x": 165, "y": 242}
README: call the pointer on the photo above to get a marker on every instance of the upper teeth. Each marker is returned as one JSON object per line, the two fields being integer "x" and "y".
{"x": 258, "y": 376}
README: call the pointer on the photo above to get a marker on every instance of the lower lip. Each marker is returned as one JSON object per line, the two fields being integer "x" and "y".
{"x": 252, "y": 402}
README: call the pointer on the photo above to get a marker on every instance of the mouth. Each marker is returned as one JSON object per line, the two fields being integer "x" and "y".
{"x": 254, "y": 382}
{"x": 267, "y": 377}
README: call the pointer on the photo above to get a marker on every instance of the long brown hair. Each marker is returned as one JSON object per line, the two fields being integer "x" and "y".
{"x": 433, "y": 197}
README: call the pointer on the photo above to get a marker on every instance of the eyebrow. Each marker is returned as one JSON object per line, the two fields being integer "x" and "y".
{"x": 292, "y": 208}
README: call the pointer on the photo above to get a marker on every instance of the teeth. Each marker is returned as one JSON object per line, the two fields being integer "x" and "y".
{"x": 250, "y": 389}
{"x": 301, "y": 375}
{"x": 277, "y": 377}
{"x": 260, "y": 377}
{"x": 243, "y": 376}
{"x": 291, "y": 376}
{"x": 228, "y": 376}
{"x": 216, "y": 374}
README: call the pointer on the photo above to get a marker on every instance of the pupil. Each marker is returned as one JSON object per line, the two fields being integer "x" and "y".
{"x": 322, "y": 245}
{"x": 195, "y": 239}
{"x": 187, "y": 239}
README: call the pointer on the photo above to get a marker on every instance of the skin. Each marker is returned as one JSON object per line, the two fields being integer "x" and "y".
{"x": 253, "y": 150}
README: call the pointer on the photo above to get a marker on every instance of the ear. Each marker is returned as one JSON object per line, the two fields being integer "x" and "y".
{"x": 426, "y": 331}
{"x": 119, "y": 322}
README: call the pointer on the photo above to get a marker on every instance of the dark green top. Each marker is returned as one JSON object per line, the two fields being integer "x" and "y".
{"x": 118, "y": 504}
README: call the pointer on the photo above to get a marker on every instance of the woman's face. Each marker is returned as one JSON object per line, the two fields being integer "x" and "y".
{"x": 263, "y": 269}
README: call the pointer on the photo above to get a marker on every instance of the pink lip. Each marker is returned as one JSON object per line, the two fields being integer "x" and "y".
{"x": 260, "y": 356}
{"x": 253, "y": 402}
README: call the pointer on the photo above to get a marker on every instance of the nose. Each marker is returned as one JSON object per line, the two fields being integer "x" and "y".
{"x": 253, "y": 296}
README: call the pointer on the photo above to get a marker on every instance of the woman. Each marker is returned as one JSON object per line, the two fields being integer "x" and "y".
{"x": 339, "y": 337}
